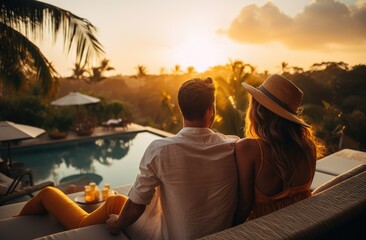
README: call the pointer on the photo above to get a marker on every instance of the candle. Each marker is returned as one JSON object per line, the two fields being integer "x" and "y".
{"x": 92, "y": 185}
{"x": 89, "y": 196}
{"x": 105, "y": 193}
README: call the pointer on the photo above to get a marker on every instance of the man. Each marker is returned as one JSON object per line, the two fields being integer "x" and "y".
{"x": 192, "y": 174}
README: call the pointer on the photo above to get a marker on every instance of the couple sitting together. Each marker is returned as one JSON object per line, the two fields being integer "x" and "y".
{"x": 200, "y": 182}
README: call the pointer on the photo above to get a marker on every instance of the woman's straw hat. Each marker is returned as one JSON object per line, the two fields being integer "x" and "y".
{"x": 280, "y": 96}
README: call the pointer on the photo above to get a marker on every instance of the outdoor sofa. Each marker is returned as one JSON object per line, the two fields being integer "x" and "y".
{"x": 337, "y": 210}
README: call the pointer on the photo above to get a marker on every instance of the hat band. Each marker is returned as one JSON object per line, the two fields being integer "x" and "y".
{"x": 276, "y": 100}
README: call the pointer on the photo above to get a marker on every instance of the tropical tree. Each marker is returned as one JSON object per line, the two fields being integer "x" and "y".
{"x": 141, "y": 70}
{"x": 78, "y": 72}
{"x": 191, "y": 70}
{"x": 329, "y": 66}
{"x": 297, "y": 70}
{"x": 141, "y": 73}
{"x": 21, "y": 60}
{"x": 231, "y": 99}
{"x": 284, "y": 67}
{"x": 97, "y": 73}
{"x": 177, "y": 69}
{"x": 168, "y": 114}
{"x": 162, "y": 71}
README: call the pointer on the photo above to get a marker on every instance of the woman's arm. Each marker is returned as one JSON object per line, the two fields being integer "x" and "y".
{"x": 245, "y": 151}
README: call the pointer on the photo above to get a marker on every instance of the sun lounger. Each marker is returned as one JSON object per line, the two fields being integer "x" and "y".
{"x": 18, "y": 183}
{"x": 114, "y": 123}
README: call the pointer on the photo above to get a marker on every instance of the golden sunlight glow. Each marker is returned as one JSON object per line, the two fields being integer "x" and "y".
{"x": 214, "y": 32}
{"x": 200, "y": 51}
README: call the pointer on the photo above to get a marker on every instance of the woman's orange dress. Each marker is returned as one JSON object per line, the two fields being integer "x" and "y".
{"x": 290, "y": 194}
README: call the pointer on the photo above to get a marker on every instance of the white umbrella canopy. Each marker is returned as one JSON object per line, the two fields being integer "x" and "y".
{"x": 75, "y": 98}
{"x": 14, "y": 131}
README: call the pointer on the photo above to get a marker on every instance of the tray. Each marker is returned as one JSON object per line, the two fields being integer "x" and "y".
{"x": 81, "y": 199}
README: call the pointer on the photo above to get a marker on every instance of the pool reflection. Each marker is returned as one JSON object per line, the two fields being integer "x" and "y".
{"x": 102, "y": 150}
{"x": 58, "y": 161}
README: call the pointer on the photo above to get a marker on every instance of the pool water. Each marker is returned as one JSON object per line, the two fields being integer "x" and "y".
{"x": 113, "y": 159}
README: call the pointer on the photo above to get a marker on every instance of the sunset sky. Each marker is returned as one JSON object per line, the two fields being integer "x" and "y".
{"x": 204, "y": 33}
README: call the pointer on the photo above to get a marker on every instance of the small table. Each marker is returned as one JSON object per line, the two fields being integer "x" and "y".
{"x": 90, "y": 206}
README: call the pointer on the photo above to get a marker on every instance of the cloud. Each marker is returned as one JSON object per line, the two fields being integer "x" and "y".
{"x": 323, "y": 24}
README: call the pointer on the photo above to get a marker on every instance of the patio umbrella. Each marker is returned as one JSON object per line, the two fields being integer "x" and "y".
{"x": 75, "y": 98}
{"x": 12, "y": 131}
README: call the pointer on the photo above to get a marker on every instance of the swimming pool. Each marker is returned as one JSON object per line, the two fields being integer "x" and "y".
{"x": 113, "y": 159}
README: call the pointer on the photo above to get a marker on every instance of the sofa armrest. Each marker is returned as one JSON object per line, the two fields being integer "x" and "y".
{"x": 321, "y": 215}
{"x": 98, "y": 231}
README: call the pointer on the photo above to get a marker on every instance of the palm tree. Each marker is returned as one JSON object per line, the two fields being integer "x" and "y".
{"x": 21, "y": 60}
{"x": 284, "y": 67}
{"x": 231, "y": 99}
{"x": 191, "y": 70}
{"x": 79, "y": 71}
{"x": 97, "y": 73}
{"x": 335, "y": 66}
{"x": 177, "y": 69}
{"x": 141, "y": 73}
{"x": 162, "y": 71}
{"x": 141, "y": 70}
{"x": 167, "y": 116}
{"x": 297, "y": 70}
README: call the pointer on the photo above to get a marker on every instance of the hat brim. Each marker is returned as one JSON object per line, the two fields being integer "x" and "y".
{"x": 271, "y": 105}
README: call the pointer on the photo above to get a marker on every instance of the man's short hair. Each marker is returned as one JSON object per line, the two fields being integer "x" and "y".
{"x": 195, "y": 97}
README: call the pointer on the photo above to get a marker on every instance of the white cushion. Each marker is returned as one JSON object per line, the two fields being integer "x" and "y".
{"x": 334, "y": 165}
{"x": 319, "y": 179}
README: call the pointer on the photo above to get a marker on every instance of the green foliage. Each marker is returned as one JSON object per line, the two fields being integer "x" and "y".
{"x": 116, "y": 109}
{"x": 168, "y": 117}
{"x": 60, "y": 119}
{"x": 97, "y": 73}
{"x": 356, "y": 126}
{"x": 104, "y": 111}
{"x": 24, "y": 109}
{"x": 232, "y": 99}
{"x": 334, "y": 101}
{"x": 21, "y": 61}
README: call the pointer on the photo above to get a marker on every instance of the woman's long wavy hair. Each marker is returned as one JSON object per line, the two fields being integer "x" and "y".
{"x": 291, "y": 143}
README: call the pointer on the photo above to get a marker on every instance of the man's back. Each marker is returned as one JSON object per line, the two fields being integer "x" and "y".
{"x": 197, "y": 176}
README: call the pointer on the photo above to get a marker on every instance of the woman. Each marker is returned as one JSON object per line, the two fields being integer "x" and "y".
{"x": 67, "y": 212}
{"x": 276, "y": 160}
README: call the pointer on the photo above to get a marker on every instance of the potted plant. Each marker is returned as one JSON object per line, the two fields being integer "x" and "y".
{"x": 58, "y": 124}
{"x": 85, "y": 128}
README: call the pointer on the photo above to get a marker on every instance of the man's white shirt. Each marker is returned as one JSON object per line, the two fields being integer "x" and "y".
{"x": 189, "y": 182}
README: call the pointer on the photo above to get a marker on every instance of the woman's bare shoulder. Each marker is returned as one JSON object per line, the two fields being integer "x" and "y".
{"x": 247, "y": 147}
{"x": 246, "y": 143}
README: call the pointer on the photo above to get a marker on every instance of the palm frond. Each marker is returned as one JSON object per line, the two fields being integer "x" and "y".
{"x": 20, "y": 58}
{"x": 34, "y": 18}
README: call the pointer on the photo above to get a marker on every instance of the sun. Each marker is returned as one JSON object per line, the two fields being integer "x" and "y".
{"x": 200, "y": 51}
